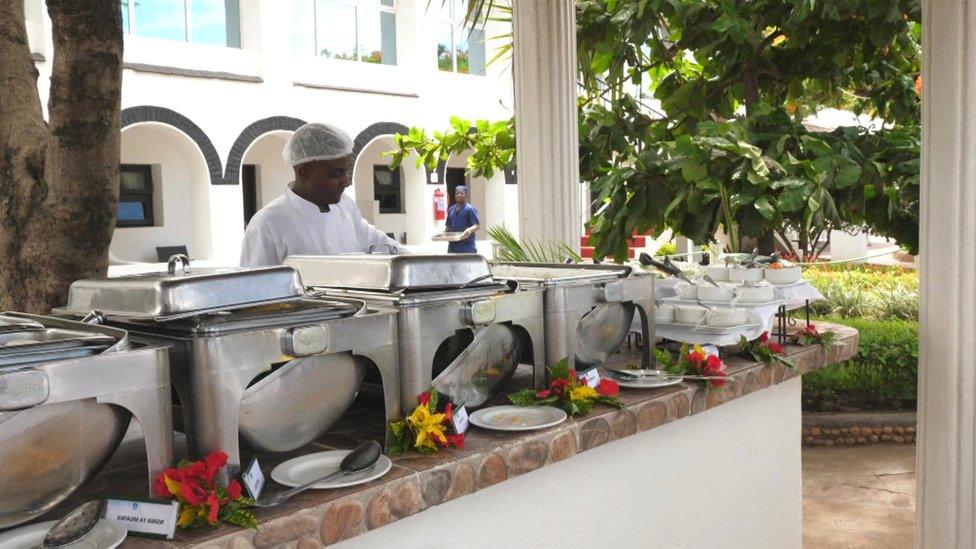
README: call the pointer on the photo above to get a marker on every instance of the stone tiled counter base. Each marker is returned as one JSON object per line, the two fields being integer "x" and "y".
{"x": 416, "y": 483}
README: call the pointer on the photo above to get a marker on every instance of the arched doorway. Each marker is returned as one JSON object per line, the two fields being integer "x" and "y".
{"x": 395, "y": 201}
{"x": 488, "y": 196}
{"x": 264, "y": 174}
{"x": 165, "y": 172}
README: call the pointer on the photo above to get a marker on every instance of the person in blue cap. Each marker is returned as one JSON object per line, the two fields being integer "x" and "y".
{"x": 462, "y": 218}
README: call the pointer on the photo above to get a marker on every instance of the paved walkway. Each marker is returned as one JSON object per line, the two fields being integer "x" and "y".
{"x": 861, "y": 496}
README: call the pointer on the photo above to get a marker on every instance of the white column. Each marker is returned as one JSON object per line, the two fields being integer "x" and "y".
{"x": 947, "y": 374}
{"x": 546, "y": 120}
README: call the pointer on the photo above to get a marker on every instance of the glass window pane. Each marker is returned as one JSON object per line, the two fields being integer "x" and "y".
{"x": 133, "y": 180}
{"x": 445, "y": 56}
{"x": 125, "y": 15}
{"x": 303, "y": 27}
{"x": 131, "y": 211}
{"x": 388, "y": 36}
{"x": 161, "y": 19}
{"x": 336, "y": 30}
{"x": 209, "y": 21}
{"x": 471, "y": 51}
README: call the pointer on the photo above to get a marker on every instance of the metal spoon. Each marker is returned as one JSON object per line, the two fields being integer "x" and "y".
{"x": 660, "y": 374}
{"x": 709, "y": 279}
{"x": 361, "y": 458}
{"x": 74, "y": 526}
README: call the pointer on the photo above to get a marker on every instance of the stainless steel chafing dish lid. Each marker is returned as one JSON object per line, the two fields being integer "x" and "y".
{"x": 555, "y": 274}
{"x": 182, "y": 292}
{"x": 392, "y": 272}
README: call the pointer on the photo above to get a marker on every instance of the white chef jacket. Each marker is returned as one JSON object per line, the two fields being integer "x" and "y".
{"x": 291, "y": 225}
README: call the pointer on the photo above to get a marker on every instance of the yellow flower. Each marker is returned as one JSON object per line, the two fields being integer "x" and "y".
{"x": 428, "y": 427}
{"x": 583, "y": 392}
{"x": 698, "y": 349}
{"x": 172, "y": 485}
{"x": 189, "y": 513}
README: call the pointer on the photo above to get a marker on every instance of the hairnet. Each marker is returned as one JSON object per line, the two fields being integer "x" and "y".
{"x": 461, "y": 188}
{"x": 316, "y": 142}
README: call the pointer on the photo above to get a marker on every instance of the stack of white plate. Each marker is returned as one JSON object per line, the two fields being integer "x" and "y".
{"x": 725, "y": 317}
{"x": 664, "y": 313}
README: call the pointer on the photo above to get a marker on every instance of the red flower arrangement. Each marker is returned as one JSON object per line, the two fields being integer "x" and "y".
{"x": 811, "y": 336}
{"x": 764, "y": 350}
{"x": 426, "y": 430}
{"x": 693, "y": 362}
{"x": 202, "y": 501}
{"x": 567, "y": 391}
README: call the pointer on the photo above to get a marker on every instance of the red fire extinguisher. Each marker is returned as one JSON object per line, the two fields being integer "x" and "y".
{"x": 440, "y": 205}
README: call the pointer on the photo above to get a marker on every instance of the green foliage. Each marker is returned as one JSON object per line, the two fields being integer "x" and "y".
{"x": 668, "y": 248}
{"x": 764, "y": 351}
{"x": 492, "y": 146}
{"x": 869, "y": 291}
{"x": 526, "y": 250}
{"x": 883, "y": 375}
{"x": 726, "y": 150}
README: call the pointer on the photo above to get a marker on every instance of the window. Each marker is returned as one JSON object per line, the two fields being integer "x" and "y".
{"x": 135, "y": 196}
{"x": 215, "y": 22}
{"x": 354, "y": 30}
{"x": 459, "y": 48}
{"x": 388, "y": 189}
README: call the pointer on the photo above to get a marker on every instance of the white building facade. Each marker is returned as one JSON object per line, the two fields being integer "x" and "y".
{"x": 212, "y": 89}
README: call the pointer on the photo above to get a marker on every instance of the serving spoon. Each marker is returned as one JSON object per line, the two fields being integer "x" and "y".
{"x": 361, "y": 458}
{"x": 74, "y": 526}
{"x": 645, "y": 374}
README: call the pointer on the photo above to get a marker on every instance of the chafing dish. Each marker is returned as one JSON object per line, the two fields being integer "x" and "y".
{"x": 588, "y": 308}
{"x": 445, "y": 304}
{"x": 67, "y": 392}
{"x": 277, "y": 373}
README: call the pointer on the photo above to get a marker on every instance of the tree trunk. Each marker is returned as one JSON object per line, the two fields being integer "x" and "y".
{"x": 58, "y": 180}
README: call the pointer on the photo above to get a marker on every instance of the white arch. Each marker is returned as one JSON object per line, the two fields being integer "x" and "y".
{"x": 273, "y": 174}
{"x": 417, "y": 220}
{"x": 491, "y": 197}
{"x": 181, "y": 194}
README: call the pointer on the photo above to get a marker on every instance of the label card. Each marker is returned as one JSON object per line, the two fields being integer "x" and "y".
{"x": 460, "y": 419}
{"x": 710, "y": 350}
{"x": 151, "y": 518}
{"x": 253, "y": 479}
{"x": 591, "y": 377}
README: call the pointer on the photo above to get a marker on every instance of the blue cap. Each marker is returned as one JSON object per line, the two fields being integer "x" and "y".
{"x": 461, "y": 188}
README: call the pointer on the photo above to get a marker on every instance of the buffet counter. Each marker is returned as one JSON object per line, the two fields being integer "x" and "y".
{"x": 678, "y": 466}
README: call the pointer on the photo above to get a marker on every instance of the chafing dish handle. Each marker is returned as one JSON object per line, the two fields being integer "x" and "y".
{"x": 183, "y": 260}
{"x": 94, "y": 317}
{"x": 363, "y": 309}
{"x": 21, "y": 389}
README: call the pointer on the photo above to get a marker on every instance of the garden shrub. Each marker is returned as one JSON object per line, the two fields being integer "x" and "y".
{"x": 873, "y": 291}
{"x": 668, "y": 248}
{"x": 882, "y": 376}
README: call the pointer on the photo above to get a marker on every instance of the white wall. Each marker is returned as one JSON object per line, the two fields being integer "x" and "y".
{"x": 727, "y": 478}
{"x": 273, "y": 174}
{"x": 180, "y": 180}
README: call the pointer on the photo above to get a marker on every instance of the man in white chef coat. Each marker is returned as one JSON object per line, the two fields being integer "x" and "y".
{"x": 314, "y": 216}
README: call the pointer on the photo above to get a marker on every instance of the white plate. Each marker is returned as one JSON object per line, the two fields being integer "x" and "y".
{"x": 648, "y": 382}
{"x": 517, "y": 418}
{"x": 105, "y": 535}
{"x": 298, "y": 471}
